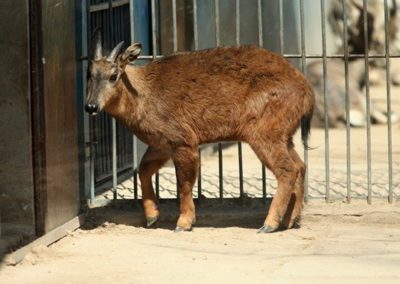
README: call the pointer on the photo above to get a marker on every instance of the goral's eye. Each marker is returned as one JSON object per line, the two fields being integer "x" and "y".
{"x": 113, "y": 77}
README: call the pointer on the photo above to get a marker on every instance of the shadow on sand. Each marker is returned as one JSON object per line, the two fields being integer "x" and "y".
{"x": 241, "y": 212}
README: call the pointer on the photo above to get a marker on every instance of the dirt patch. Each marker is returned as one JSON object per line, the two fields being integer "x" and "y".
{"x": 337, "y": 243}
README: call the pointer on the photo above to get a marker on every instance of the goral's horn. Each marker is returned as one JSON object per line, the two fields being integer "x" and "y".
{"x": 98, "y": 51}
{"x": 113, "y": 55}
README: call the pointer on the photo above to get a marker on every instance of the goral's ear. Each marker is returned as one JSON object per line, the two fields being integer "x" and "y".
{"x": 129, "y": 55}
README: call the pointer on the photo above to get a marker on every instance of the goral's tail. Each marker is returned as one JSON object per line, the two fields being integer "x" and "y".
{"x": 305, "y": 129}
{"x": 306, "y": 118}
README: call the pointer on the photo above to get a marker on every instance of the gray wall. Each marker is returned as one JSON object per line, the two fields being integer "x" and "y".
{"x": 313, "y": 28}
{"x": 16, "y": 182}
{"x": 249, "y": 32}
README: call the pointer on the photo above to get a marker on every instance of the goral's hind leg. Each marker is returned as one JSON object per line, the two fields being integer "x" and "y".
{"x": 151, "y": 162}
{"x": 293, "y": 212}
{"x": 276, "y": 157}
{"x": 186, "y": 160}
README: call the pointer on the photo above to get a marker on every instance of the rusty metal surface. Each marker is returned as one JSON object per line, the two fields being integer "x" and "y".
{"x": 16, "y": 182}
{"x": 59, "y": 79}
{"x": 38, "y": 125}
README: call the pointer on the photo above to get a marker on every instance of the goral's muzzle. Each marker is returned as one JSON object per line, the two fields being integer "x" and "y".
{"x": 92, "y": 109}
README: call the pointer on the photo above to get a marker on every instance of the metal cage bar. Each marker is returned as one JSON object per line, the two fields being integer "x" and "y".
{"x": 195, "y": 26}
{"x": 174, "y": 26}
{"x": 113, "y": 122}
{"x": 303, "y": 69}
{"x": 220, "y": 154}
{"x": 239, "y": 144}
{"x": 302, "y": 55}
{"x": 281, "y": 28}
{"x": 109, "y": 142}
{"x": 92, "y": 124}
{"x": 306, "y": 56}
{"x": 154, "y": 43}
{"x": 134, "y": 138}
{"x": 135, "y": 170}
{"x": 347, "y": 103}
{"x": 326, "y": 106}
{"x": 388, "y": 106}
{"x": 196, "y": 47}
{"x": 260, "y": 24}
{"x": 367, "y": 100}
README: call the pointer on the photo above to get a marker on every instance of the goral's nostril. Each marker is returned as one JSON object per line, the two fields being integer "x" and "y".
{"x": 91, "y": 108}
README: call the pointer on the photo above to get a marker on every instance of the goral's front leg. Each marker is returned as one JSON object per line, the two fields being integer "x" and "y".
{"x": 151, "y": 162}
{"x": 186, "y": 160}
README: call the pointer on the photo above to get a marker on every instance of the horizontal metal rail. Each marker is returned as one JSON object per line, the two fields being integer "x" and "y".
{"x": 300, "y": 56}
{"x": 105, "y": 5}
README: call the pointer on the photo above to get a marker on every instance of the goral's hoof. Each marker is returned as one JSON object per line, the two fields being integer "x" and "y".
{"x": 266, "y": 229}
{"x": 179, "y": 229}
{"x": 151, "y": 221}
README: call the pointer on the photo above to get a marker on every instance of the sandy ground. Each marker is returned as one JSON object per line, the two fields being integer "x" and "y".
{"x": 337, "y": 243}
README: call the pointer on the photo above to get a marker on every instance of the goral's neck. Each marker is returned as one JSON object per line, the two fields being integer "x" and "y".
{"x": 125, "y": 105}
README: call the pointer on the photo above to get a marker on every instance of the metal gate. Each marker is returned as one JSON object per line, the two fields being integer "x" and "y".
{"x": 297, "y": 30}
{"x": 112, "y": 143}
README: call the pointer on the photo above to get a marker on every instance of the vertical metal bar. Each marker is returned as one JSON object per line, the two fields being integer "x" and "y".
{"x": 113, "y": 122}
{"x": 303, "y": 69}
{"x": 92, "y": 130}
{"x": 132, "y": 20}
{"x": 153, "y": 28}
{"x": 388, "y": 104}
{"x": 174, "y": 26}
{"x": 217, "y": 31}
{"x": 237, "y": 22}
{"x": 220, "y": 171}
{"x": 347, "y": 102}
{"x": 155, "y": 48}
{"x": 264, "y": 184}
{"x": 367, "y": 98}
{"x": 260, "y": 27}
{"x": 199, "y": 185}
{"x": 195, "y": 26}
{"x": 220, "y": 157}
{"x": 281, "y": 27}
{"x": 114, "y": 157}
{"x": 134, "y": 139}
{"x": 86, "y": 50}
{"x": 302, "y": 37}
{"x": 111, "y": 17}
{"x": 240, "y": 156}
{"x": 92, "y": 139}
{"x": 157, "y": 185}
{"x": 196, "y": 47}
{"x": 327, "y": 168}
{"x": 261, "y": 44}
{"x": 135, "y": 169}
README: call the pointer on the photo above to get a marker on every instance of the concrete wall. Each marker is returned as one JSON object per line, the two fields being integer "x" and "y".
{"x": 16, "y": 182}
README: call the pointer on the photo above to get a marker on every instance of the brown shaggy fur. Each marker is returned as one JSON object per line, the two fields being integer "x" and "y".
{"x": 228, "y": 93}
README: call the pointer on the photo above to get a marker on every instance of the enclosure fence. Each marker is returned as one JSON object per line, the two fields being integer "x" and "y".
{"x": 170, "y": 26}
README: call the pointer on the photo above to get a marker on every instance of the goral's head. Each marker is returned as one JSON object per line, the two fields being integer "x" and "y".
{"x": 104, "y": 73}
